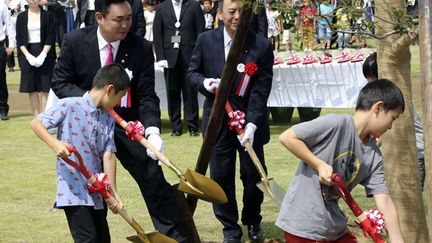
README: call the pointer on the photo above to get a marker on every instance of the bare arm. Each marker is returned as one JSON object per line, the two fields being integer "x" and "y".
{"x": 109, "y": 167}
{"x": 296, "y": 146}
{"x": 385, "y": 204}
{"x": 59, "y": 147}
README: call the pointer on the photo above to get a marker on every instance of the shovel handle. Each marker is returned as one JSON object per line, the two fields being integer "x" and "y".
{"x": 138, "y": 137}
{"x": 131, "y": 221}
{"x": 78, "y": 165}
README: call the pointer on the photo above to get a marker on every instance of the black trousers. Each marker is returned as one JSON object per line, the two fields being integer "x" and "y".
{"x": 9, "y": 59}
{"x": 4, "y": 94}
{"x": 177, "y": 85}
{"x": 222, "y": 170}
{"x": 87, "y": 225}
{"x": 157, "y": 193}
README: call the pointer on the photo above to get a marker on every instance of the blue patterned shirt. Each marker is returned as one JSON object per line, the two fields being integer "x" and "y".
{"x": 91, "y": 130}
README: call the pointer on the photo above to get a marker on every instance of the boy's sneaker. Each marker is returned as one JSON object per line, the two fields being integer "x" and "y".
{"x": 343, "y": 57}
{"x": 308, "y": 59}
{"x": 358, "y": 57}
{"x": 293, "y": 59}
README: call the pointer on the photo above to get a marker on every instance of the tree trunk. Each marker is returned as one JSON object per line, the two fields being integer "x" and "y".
{"x": 426, "y": 78}
{"x": 399, "y": 149}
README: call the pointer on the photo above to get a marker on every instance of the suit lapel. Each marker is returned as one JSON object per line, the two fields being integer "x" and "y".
{"x": 121, "y": 57}
{"x": 170, "y": 9}
{"x": 93, "y": 50}
{"x": 185, "y": 5}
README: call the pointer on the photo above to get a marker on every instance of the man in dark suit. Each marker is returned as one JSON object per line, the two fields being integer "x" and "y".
{"x": 250, "y": 97}
{"x": 83, "y": 52}
{"x": 176, "y": 26}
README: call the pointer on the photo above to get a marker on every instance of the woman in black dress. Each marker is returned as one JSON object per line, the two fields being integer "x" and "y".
{"x": 36, "y": 53}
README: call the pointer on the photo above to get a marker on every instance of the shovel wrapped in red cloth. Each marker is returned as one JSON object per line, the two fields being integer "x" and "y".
{"x": 369, "y": 224}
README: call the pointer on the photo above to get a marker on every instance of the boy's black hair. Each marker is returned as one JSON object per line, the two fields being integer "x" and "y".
{"x": 111, "y": 74}
{"x": 370, "y": 66}
{"x": 380, "y": 90}
{"x": 102, "y": 6}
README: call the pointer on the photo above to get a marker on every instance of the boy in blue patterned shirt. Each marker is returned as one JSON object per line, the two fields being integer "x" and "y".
{"x": 84, "y": 122}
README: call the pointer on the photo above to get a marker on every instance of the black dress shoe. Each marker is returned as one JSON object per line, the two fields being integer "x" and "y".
{"x": 176, "y": 133}
{"x": 194, "y": 133}
{"x": 255, "y": 233}
{"x": 4, "y": 116}
{"x": 231, "y": 239}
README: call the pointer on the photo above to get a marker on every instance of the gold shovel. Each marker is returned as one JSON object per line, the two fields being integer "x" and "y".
{"x": 267, "y": 185}
{"x": 191, "y": 182}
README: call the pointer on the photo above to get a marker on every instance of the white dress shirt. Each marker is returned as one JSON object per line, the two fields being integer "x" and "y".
{"x": 103, "y": 50}
{"x": 6, "y": 20}
{"x": 177, "y": 8}
{"x": 227, "y": 43}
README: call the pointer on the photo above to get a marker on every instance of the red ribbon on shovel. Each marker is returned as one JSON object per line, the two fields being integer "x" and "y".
{"x": 368, "y": 226}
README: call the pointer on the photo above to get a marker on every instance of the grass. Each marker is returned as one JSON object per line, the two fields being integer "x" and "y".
{"x": 28, "y": 188}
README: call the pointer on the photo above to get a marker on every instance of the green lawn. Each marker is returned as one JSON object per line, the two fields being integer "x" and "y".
{"x": 27, "y": 185}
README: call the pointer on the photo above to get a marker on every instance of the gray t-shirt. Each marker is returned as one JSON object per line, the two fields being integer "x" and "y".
{"x": 309, "y": 209}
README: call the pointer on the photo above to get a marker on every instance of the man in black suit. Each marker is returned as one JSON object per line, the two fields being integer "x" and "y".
{"x": 176, "y": 26}
{"x": 83, "y": 52}
{"x": 250, "y": 97}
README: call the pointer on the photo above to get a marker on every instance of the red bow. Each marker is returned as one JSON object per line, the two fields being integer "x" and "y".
{"x": 101, "y": 185}
{"x": 134, "y": 128}
{"x": 237, "y": 119}
{"x": 377, "y": 220}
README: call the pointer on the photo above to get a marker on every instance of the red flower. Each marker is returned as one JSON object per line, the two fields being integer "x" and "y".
{"x": 251, "y": 68}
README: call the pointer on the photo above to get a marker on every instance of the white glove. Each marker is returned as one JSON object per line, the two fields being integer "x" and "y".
{"x": 248, "y": 135}
{"x": 40, "y": 59}
{"x": 153, "y": 136}
{"x": 162, "y": 64}
{"x": 210, "y": 84}
{"x": 31, "y": 59}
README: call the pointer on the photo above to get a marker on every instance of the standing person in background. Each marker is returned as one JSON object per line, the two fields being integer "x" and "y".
{"x": 324, "y": 31}
{"x": 307, "y": 19}
{"x": 59, "y": 14}
{"x": 84, "y": 51}
{"x": 176, "y": 26}
{"x": 343, "y": 22}
{"x": 86, "y": 13}
{"x": 250, "y": 97}
{"x": 289, "y": 22}
{"x": 35, "y": 39}
{"x": 14, "y": 10}
{"x": 209, "y": 14}
{"x": 149, "y": 13}
{"x": 5, "y": 21}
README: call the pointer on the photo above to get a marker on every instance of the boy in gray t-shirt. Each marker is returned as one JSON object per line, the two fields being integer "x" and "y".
{"x": 342, "y": 144}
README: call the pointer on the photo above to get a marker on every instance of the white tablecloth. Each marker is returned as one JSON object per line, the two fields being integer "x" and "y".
{"x": 331, "y": 85}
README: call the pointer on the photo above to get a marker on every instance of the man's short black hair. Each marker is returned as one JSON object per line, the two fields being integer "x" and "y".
{"x": 380, "y": 90}
{"x": 113, "y": 74}
{"x": 370, "y": 66}
{"x": 102, "y": 6}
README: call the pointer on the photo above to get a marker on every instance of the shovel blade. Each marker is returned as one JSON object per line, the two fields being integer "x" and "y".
{"x": 273, "y": 190}
{"x": 154, "y": 237}
{"x": 211, "y": 191}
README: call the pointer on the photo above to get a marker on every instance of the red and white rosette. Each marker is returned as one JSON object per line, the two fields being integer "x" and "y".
{"x": 293, "y": 59}
{"x": 237, "y": 119}
{"x": 377, "y": 219}
{"x": 277, "y": 60}
{"x": 358, "y": 57}
{"x": 308, "y": 59}
{"x": 326, "y": 59}
{"x": 99, "y": 183}
{"x": 248, "y": 71}
{"x": 343, "y": 57}
{"x": 134, "y": 128}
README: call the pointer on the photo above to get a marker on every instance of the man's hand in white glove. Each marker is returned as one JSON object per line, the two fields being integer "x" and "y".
{"x": 248, "y": 135}
{"x": 210, "y": 84}
{"x": 40, "y": 59}
{"x": 31, "y": 59}
{"x": 153, "y": 136}
{"x": 162, "y": 64}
